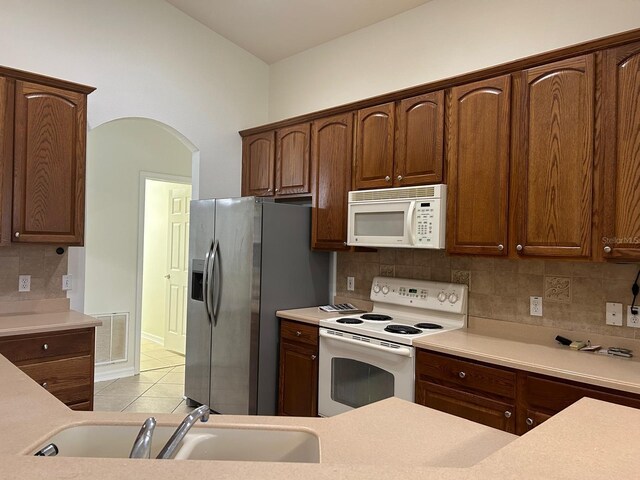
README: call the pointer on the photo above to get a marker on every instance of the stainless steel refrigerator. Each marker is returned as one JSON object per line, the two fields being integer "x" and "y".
{"x": 248, "y": 257}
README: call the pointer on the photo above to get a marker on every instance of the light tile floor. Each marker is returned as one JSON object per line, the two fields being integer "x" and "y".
{"x": 154, "y": 356}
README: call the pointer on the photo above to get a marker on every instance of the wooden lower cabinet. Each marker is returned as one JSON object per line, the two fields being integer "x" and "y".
{"x": 298, "y": 384}
{"x": 511, "y": 400}
{"x": 61, "y": 362}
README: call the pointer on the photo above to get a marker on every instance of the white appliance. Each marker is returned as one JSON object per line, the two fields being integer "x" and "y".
{"x": 369, "y": 357}
{"x": 409, "y": 217}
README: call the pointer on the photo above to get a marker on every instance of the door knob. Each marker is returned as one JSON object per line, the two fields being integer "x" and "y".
{"x": 45, "y": 385}
{"x": 529, "y": 421}
{"x": 519, "y": 247}
{"x": 387, "y": 178}
{"x": 45, "y": 346}
{"x": 399, "y": 178}
{"x": 313, "y": 357}
{"x": 17, "y": 234}
{"x": 507, "y": 414}
{"x": 501, "y": 247}
{"x": 607, "y": 249}
{"x": 462, "y": 374}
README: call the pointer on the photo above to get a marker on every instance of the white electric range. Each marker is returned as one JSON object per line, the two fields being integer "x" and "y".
{"x": 368, "y": 357}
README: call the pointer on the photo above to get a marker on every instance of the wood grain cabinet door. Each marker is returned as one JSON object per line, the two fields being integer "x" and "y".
{"x": 621, "y": 126}
{"x": 331, "y": 156}
{"x": 419, "y": 140}
{"x": 292, "y": 160}
{"x": 6, "y": 159}
{"x": 552, "y": 175}
{"x": 49, "y": 163}
{"x": 298, "y": 390}
{"x": 258, "y": 164}
{"x": 374, "y": 147}
{"x": 478, "y": 163}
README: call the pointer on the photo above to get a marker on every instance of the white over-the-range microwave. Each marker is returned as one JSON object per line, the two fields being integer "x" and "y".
{"x": 408, "y": 217}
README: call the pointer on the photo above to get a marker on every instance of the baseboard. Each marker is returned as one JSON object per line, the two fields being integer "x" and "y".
{"x": 152, "y": 338}
{"x": 113, "y": 373}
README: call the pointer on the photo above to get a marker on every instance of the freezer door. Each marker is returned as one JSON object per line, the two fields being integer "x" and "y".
{"x": 198, "y": 351}
{"x": 236, "y": 301}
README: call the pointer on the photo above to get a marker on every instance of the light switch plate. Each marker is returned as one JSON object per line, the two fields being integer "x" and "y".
{"x": 614, "y": 314}
{"x": 351, "y": 284}
{"x": 535, "y": 306}
{"x": 633, "y": 320}
{"x": 66, "y": 282}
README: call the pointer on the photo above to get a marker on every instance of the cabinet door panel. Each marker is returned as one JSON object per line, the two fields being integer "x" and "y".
{"x": 298, "y": 395}
{"x": 478, "y": 162}
{"x": 6, "y": 158}
{"x": 292, "y": 160}
{"x": 553, "y": 171}
{"x": 419, "y": 142}
{"x": 374, "y": 147}
{"x": 258, "y": 163}
{"x": 621, "y": 106}
{"x": 49, "y": 162}
{"x": 331, "y": 157}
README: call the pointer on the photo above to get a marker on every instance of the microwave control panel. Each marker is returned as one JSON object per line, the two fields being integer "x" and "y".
{"x": 427, "y": 222}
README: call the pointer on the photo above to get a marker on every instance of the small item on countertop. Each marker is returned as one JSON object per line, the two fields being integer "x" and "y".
{"x": 577, "y": 345}
{"x": 564, "y": 341}
{"x": 591, "y": 348}
{"x": 616, "y": 352}
{"x": 341, "y": 308}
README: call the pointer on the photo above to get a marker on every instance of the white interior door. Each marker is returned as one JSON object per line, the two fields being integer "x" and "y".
{"x": 177, "y": 266}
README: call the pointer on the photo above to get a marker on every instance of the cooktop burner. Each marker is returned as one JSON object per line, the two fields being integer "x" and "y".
{"x": 428, "y": 326}
{"x": 349, "y": 321}
{"x": 376, "y": 317}
{"x": 402, "y": 329}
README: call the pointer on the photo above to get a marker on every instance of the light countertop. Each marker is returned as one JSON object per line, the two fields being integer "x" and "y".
{"x": 29, "y": 323}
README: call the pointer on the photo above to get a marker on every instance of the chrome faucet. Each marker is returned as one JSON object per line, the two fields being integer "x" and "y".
{"x": 201, "y": 413}
{"x": 142, "y": 444}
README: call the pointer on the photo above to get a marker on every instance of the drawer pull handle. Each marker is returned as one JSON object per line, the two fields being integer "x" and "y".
{"x": 529, "y": 421}
{"x": 45, "y": 385}
{"x": 298, "y": 333}
{"x": 313, "y": 357}
{"x": 507, "y": 414}
{"x": 45, "y": 346}
{"x": 462, "y": 374}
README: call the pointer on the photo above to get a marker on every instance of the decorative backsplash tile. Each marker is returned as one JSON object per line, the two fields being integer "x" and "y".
{"x": 557, "y": 289}
{"x": 574, "y": 293}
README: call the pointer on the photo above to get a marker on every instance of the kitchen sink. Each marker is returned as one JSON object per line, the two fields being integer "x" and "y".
{"x": 219, "y": 443}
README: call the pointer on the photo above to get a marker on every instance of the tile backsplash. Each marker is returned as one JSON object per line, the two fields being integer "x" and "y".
{"x": 44, "y": 265}
{"x": 573, "y": 293}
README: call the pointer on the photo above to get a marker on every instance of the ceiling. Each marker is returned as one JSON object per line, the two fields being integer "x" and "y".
{"x": 276, "y": 29}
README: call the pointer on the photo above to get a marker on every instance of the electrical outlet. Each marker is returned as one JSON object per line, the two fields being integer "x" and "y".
{"x": 351, "y": 284}
{"x": 24, "y": 283}
{"x": 614, "y": 314}
{"x": 66, "y": 282}
{"x": 535, "y": 306}
{"x": 633, "y": 320}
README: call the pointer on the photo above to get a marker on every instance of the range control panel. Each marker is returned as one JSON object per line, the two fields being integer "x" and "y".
{"x": 447, "y": 297}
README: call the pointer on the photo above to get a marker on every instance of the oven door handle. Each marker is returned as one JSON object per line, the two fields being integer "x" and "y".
{"x": 403, "y": 351}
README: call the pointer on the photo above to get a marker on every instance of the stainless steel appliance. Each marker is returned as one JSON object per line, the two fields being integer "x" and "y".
{"x": 248, "y": 257}
{"x": 409, "y": 217}
{"x": 369, "y": 357}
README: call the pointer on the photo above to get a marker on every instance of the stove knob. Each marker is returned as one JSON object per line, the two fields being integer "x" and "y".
{"x": 376, "y": 289}
{"x": 442, "y": 297}
{"x": 385, "y": 290}
{"x": 453, "y": 298}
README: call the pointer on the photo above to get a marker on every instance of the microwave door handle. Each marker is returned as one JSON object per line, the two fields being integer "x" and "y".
{"x": 411, "y": 222}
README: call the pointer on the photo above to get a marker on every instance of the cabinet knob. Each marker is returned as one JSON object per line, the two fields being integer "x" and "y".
{"x": 399, "y": 178}
{"x": 462, "y": 374}
{"x": 45, "y": 346}
{"x": 387, "y": 178}
{"x": 501, "y": 247}
{"x": 344, "y": 243}
{"x": 269, "y": 190}
{"x": 45, "y": 385}
{"x": 17, "y": 234}
{"x": 298, "y": 333}
{"x": 607, "y": 249}
{"x": 519, "y": 247}
{"x": 507, "y": 414}
{"x": 313, "y": 357}
{"x": 277, "y": 189}
{"x": 529, "y": 421}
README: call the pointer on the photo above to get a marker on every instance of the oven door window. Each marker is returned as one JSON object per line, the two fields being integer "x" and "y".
{"x": 356, "y": 383}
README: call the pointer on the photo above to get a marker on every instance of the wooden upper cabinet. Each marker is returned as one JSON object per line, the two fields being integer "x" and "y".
{"x": 292, "y": 160}
{"x": 621, "y": 137}
{"x": 374, "y": 147}
{"x": 331, "y": 155}
{"x": 49, "y": 164}
{"x": 419, "y": 140}
{"x": 478, "y": 162}
{"x": 258, "y": 164}
{"x": 6, "y": 159}
{"x": 552, "y": 175}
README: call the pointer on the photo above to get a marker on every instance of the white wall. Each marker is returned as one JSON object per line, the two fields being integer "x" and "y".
{"x": 147, "y": 59}
{"x": 440, "y": 39}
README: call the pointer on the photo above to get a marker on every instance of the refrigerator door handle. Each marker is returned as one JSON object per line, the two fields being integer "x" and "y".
{"x": 206, "y": 282}
{"x": 215, "y": 270}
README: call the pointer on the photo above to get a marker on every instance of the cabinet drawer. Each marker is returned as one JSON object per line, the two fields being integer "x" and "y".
{"x": 22, "y": 348}
{"x": 466, "y": 374}
{"x": 299, "y": 332}
{"x": 69, "y": 380}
